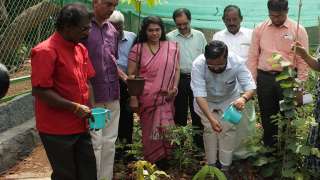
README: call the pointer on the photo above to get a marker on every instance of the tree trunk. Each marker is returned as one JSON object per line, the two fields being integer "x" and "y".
{"x": 29, "y": 19}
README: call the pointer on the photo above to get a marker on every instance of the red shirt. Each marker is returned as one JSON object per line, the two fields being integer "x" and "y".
{"x": 64, "y": 67}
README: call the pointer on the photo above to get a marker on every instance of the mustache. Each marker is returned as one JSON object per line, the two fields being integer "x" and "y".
{"x": 232, "y": 26}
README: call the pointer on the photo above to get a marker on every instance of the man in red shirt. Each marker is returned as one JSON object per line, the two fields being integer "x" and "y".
{"x": 60, "y": 77}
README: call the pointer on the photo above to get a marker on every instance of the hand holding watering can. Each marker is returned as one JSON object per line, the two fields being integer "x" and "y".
{"x": 233, "y": 113}
{"x": 99, "y": 118}
{"x": 240, "y": 103}
{"x": 82, "y": 111}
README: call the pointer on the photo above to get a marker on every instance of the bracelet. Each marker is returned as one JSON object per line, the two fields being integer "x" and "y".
{"x": 76, "y": 108}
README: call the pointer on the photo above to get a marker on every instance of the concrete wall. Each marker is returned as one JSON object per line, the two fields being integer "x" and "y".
{"x": 16, "y": 112}
{"x": 18, "y": 135}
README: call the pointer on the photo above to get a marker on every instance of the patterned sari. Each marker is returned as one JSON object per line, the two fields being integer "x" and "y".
{"x": 156, "y": 112}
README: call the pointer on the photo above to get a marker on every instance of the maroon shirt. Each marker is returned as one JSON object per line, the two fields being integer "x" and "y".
{"x": 102, "y": 44}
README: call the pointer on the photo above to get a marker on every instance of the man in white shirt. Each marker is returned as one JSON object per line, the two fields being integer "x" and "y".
{"x": 217, "y": 78}
{"x": 238, "y": 40}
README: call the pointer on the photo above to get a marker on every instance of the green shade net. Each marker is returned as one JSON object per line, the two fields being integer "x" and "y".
{"x": 207, "y": 13}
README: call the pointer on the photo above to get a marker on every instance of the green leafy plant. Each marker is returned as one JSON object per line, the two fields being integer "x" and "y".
{"x": 144, "y": 170}
{"x": 137, "y": 3}
{"x": 286, "y": 161}
{"x": 209, "y": 172}
{"x": 136, "y": 148}
{"x": 184, "y": 155}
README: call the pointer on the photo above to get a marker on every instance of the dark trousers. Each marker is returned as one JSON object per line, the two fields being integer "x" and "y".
{"x": 126, "y": 116}
{"x": 183, "y": 101}
{"x": 269, "y": 94}
{"x": 71, "y": 156}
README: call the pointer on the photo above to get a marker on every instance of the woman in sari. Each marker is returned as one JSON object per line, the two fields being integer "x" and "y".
{"x": 158, "y": 64}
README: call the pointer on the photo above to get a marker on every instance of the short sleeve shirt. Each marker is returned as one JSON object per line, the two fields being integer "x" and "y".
{"x": 65, "y": 68}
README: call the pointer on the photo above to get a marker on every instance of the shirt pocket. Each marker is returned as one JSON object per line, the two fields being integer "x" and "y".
{"x": 244, "y": 49}
{"x": 230, "y": 85}
{"x": 286, "y": 39}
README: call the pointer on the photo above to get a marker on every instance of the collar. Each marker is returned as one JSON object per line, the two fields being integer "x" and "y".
{"x": 189, "y": 36}
{"x": 105, "y": 23}
{"x": 124, "y": 37}
{"x": 58, "y": 37}
{"x": 285, "y": 24}
{"x": 229, "y": 66}
{"x": 229, "y": 33}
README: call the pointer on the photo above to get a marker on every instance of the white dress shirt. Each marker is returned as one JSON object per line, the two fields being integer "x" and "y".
{"x": 239, "y": 43}
{"x": 223, "y": 88}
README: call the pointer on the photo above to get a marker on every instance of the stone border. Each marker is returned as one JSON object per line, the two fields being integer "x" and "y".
{"x": 16, "y": 112}
{"x": 16, "y": 143}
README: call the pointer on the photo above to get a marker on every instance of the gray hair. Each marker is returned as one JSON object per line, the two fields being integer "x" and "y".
{"x": 116, "y": 17}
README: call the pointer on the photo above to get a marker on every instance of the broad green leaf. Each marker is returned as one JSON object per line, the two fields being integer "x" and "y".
{"x": 267, "y": 171}
{"x": 288, "y": 92}
{"x": 161, "y": 173}
{"x": 286, "y": 84}
{"x": 287, "y": 106}
{"x": 293, "y": 147}
{"x": 275, "y": 66}
{"x": 298, "y": 122}
{"x": 201, "y": 174}
{"x": 298, "y": 176}
{"x": 282, "y": 77}
{"x": 153, "y": 177}
{"x": 137, "y": 6}
{"x": 285, "y": 63}
{"x": 316, "y": 152}
{"x": 261, "y": 161}
{"x": 276, "y": 57}
{"x": 292, "y": 72}
{"x": 219, "y": 174}
{"x": 152, "y": 3}
{"x": 290, "y": 113}
{"x": 290, "y": 164}
{"x": 305, "y": 150}
{"x": 288, "y": 172}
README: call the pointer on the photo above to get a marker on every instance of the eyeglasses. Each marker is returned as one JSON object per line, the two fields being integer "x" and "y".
{"x": 84, "y": 28}
{"x": 182, "y": 24}
{"x": 220, "y": 66}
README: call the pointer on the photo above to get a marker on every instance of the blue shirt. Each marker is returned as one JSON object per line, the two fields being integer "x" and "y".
{"x": 124, "y": 48}
{"x": 223, "y": 88}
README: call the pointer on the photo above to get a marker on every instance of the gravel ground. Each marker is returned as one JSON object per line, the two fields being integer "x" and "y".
{"x": 36, "y": 166}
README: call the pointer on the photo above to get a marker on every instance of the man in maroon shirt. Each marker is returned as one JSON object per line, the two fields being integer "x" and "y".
{"x": 61, "y": 70}
{"x": 102, "y": 45}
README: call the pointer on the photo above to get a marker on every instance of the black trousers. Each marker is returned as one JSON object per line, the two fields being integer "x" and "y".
{"x": 183, "y": 101}
{"x": 71, "y": 156}
{"x": 269, "y": 94}
{"x": 126, "y": 116}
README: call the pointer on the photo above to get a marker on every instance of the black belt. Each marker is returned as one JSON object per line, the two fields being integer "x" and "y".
{"x": 270, "y": 73}
{"x": 185, "y": 75}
